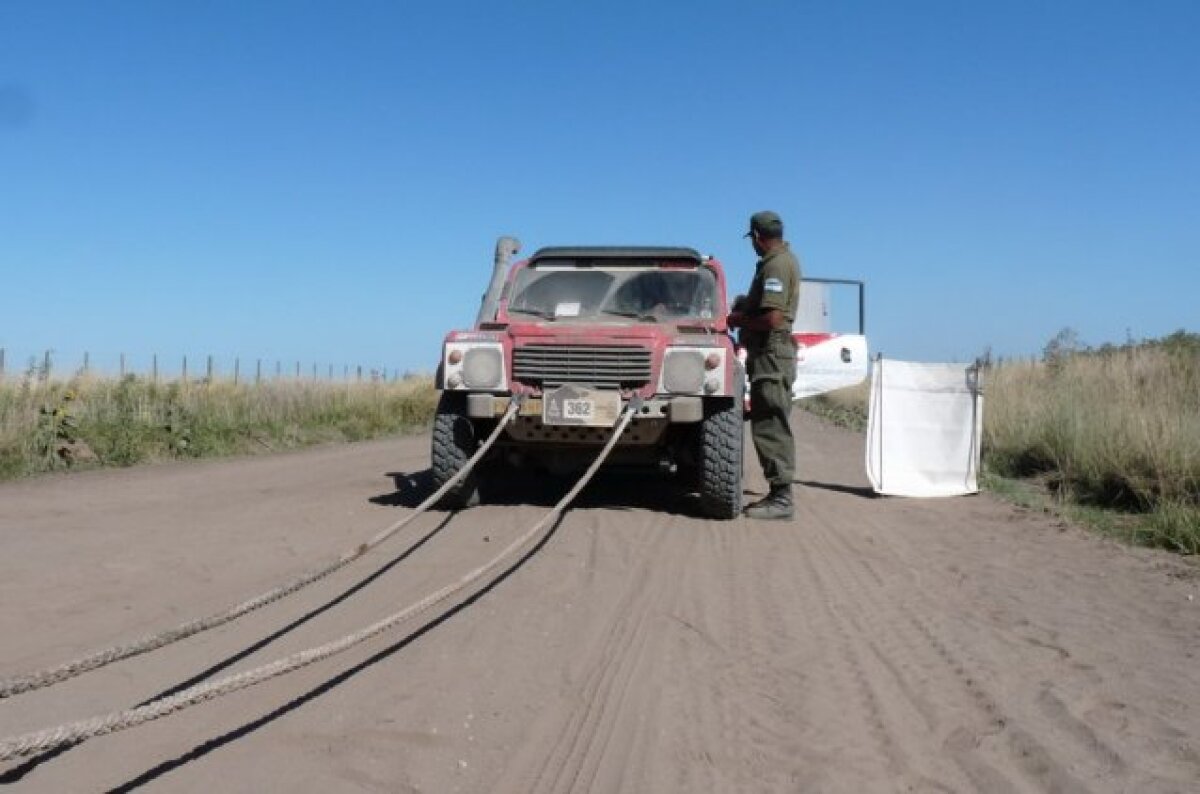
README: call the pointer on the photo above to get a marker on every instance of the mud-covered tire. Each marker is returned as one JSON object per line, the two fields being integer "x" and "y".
{"x": 721, "y": 448}
{"x": 453, "y": 443}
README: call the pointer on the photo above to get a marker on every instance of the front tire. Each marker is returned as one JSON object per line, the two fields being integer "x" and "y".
{"x": 453, "y": 443}
{"x": 721, "y": 448}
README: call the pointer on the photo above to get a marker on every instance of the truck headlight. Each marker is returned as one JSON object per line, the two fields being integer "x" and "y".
{"x": 483, "y": 368}
{"x": 474, "y": 365}
{"x": 693, "y": 370}
{"x": 683, "y": 371}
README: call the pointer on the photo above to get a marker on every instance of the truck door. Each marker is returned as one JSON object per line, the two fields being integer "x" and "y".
{"x": 827, "y": 359}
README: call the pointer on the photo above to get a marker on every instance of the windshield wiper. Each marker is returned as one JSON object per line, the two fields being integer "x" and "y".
{"x": 637, "y": 315}
{"x": 545, "y": 315}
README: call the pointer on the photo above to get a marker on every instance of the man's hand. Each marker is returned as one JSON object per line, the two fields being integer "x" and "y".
{"x": 737, "y": 312}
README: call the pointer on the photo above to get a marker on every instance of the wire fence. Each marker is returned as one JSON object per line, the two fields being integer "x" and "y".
{"x": 51, "y": 365}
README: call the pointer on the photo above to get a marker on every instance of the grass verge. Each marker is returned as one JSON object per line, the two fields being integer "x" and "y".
{"x": 88, "y": 422}
{"x": 844, "y": 407}
{"x": 1165, "y": 527}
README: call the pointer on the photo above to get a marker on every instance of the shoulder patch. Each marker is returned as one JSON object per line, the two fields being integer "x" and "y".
{"x": 773, "y": 285}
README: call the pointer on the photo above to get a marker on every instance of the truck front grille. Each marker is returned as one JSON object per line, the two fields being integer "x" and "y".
{"x": 602, "y": 366}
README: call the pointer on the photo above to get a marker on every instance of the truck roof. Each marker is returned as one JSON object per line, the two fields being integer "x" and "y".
{"x": 635, "y": 252}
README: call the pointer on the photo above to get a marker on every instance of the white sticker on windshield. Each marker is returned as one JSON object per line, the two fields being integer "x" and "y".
{"x": 773, "y": 285}
{"x": 567, "y": 309}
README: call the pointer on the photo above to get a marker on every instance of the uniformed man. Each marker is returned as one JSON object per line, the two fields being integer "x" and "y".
{"x": 765, "y": 318}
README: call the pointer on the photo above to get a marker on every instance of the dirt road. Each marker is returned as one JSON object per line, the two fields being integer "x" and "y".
{"x": 870, "y": 645}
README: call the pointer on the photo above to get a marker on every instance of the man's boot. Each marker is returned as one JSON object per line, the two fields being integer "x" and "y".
{"x": 776, "y": 506}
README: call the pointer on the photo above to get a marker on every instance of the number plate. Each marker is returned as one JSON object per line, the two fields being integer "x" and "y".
{"x": 573, "y": 405}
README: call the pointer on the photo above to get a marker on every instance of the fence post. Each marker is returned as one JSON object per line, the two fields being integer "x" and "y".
{"x": 297, "y": 370}
{"x": 314, "y": 377}
{"x": 183, "y": 377}
{"x": 46, "y": 367}
{"x": 360, "y": 373}
{"x": 154, "y": 368}
{"x": 257, "y": 371}
{"x": 86, "y": 363}
{"x": 209, "y": 369}
{"x": 237, "y": 365}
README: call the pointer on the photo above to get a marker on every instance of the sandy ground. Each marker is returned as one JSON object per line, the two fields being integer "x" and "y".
{"x": 869, "y": 645}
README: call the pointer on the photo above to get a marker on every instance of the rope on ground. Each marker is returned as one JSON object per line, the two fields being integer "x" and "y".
{"x": 67, "y": 670}
{"x": 76, "y": 732}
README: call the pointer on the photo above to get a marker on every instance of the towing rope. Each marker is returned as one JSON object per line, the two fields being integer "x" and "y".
{"x": 76, "y": 732}
{"x": 68, "y": 670}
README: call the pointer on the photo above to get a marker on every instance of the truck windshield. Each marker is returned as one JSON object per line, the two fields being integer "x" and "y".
{"x": 566, "y": 293}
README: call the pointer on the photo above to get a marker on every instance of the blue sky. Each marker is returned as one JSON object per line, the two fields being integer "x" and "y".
{"x": 324, "y": 182}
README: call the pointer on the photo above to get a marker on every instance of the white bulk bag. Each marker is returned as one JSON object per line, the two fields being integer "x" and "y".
{"x": 923, "y": 429}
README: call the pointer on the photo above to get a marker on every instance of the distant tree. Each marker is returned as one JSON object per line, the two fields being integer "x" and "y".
{"x": 1181, "y": 343}
{"x": 1062, "y": 346}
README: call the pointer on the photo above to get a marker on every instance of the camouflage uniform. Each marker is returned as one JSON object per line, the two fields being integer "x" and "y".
{"x": 771, "y": 364}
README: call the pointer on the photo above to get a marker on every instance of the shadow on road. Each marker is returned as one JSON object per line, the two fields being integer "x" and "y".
{"x": 617, "y": 489}
{"x": 216, "y": 743}
{"x": 854, "y": 490}
{"x": 410, "y": 489}
{"x": 18, "y": 772}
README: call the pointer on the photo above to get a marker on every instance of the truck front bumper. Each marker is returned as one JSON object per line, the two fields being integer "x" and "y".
{"x": 678, "y": 409}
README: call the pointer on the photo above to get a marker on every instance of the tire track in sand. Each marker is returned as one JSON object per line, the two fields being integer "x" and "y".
{"x": 594, "y": 738}
{"x": 906, "y": 660}
{"x": 869, "y": 710}
{"x": 913, "y": 634}
{"x": 759, "y": 683}
{"x": 697, "y": 654}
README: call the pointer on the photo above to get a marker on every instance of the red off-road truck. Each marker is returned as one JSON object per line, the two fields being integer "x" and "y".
{"x": 579, "y": 333}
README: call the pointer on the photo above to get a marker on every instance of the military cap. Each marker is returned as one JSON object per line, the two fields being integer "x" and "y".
{"x": 766, "y": 223}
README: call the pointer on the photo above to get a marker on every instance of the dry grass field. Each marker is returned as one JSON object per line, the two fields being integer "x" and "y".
{"x": 1119, "y": 430}
{"x": 88, "y": 421}
{"x": 1116, "y": 428}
